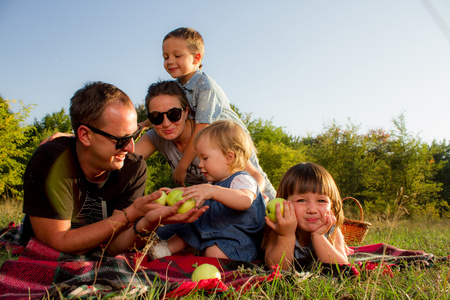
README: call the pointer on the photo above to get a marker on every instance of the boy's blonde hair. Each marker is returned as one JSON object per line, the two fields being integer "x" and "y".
{"x": 193, "y": 38}
{"x": 229, "y": 137}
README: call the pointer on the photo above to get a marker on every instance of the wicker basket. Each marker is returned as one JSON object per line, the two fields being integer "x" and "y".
{"x": 354, "y": 231}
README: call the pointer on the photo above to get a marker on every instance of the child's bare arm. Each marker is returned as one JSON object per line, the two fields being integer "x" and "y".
{"x": 280, "y": 250}
{"x": 325, "y": 251}
{"x": 179, "y": 174}
{"x": 281, "y": 242}
{"x": 256, "y": 175}
{"x": 238, "y": 199}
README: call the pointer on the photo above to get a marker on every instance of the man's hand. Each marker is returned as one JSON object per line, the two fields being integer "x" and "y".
{"x": 143, "y": 205}
{"x": 163, "y": 215}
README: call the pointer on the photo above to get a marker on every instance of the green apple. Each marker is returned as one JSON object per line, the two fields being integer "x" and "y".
{"x": 173, "y": 196}
{"x": 161, "y": 200}
{"x": 270, "y": 209}
{"x": 186, "y": 206}
{"x": 205, "y": 271}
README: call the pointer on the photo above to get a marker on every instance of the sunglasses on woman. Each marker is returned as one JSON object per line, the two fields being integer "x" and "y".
{"x": 173, "y": 114}
{"x": 121, "y": 142}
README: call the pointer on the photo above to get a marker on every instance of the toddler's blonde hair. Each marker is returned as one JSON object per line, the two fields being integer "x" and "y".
{"x": 229, "y": 137}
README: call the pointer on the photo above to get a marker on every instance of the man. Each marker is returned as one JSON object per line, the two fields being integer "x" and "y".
{"x": 83, "y": 192}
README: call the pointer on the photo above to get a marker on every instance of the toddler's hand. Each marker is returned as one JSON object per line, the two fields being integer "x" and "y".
{"x": 287, "y": 224}
{"x": 200, "y": 192}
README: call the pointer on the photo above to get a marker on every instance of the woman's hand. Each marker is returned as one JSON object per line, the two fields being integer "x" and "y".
{"x": 56, "y": 135}
{"x": 179, "y": 175}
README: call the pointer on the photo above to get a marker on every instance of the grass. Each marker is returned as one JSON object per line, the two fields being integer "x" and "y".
{"x": 429, "y": 235}
{"x": 11, "y": 211}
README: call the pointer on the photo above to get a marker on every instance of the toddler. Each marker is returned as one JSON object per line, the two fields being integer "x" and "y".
{"x": 233, "y": 225}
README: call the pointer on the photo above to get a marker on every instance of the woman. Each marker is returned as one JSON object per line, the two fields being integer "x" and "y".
{"x": 169, "y": 111}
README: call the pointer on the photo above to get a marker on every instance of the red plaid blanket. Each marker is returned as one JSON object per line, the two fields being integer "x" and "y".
{"x": 40, "y": 270}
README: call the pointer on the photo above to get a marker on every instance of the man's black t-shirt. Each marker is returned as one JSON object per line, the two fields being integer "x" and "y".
{"x": 55, "y": 186}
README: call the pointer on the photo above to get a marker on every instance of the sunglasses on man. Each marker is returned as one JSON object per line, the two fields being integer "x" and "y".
{"x": 121, "y": 142}
{"x": 173, "y": 114}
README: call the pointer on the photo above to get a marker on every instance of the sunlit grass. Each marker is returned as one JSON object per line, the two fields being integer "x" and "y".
{"x": 426, "y": 234}
{"x": 10, "y": 211}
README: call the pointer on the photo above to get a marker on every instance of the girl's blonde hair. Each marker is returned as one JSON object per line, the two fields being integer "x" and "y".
{"x": 229, "y": 137}
{"x": 309, "y": 177}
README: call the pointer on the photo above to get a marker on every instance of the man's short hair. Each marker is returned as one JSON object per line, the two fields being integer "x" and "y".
{"x": 88, "y": 103}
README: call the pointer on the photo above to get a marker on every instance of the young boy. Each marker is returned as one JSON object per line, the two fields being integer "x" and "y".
{"x": 183, "y": 51}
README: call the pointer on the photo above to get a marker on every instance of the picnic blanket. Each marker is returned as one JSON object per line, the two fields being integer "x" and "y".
{"x": 42, "y": 271}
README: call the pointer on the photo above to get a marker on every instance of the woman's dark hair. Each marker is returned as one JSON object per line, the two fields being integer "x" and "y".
{"x": 168, "y": 87}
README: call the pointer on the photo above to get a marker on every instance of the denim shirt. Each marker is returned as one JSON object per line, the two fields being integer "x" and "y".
{"x": 210, "y": 104}
{"x": 237, "y": 233}
{"x": 208, "y": 100}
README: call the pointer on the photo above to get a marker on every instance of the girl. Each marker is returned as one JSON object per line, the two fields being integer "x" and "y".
{"x": 232, "y": 227}
{"x": 309, "y": 229}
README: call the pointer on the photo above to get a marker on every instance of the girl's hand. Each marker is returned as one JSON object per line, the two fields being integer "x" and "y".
{"x": 330, "y": 220}
{"x": 200, "y": 192}
{"x": 286, "y": 225}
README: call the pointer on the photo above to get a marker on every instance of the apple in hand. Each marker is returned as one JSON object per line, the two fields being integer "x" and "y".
{"x": 173, "y": 196}
{"x": 271, "y": 206}
{"x": 186, "y": 206}
{"x": 161, "y": 200}
{"x": 205, "y": 271}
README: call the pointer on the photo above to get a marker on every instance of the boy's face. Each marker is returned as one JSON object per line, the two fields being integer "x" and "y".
{"x": 179, "y": 62}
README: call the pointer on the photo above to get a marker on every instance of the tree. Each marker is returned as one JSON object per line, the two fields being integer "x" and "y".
{"x": 57, "y": 121}
{"x": 141, "y": 112}
{"x": 441, "y": 156}
{"x": 276, "y": 150}
{"x": 412, "y": 167}
{"x": 343, "y": 152}
{"x": 16, "y": 137}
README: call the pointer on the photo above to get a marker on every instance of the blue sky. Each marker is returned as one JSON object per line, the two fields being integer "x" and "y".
{"x": 302, "y": 64}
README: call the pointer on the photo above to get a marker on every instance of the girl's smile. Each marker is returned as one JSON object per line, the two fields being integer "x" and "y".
{"x": 311, "y": 210}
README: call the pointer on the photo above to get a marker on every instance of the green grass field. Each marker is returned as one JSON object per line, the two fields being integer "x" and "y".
{"x": 432, "y": 236}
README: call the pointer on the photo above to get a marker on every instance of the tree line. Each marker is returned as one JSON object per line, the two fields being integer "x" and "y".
{"x": 373, "y": 167}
